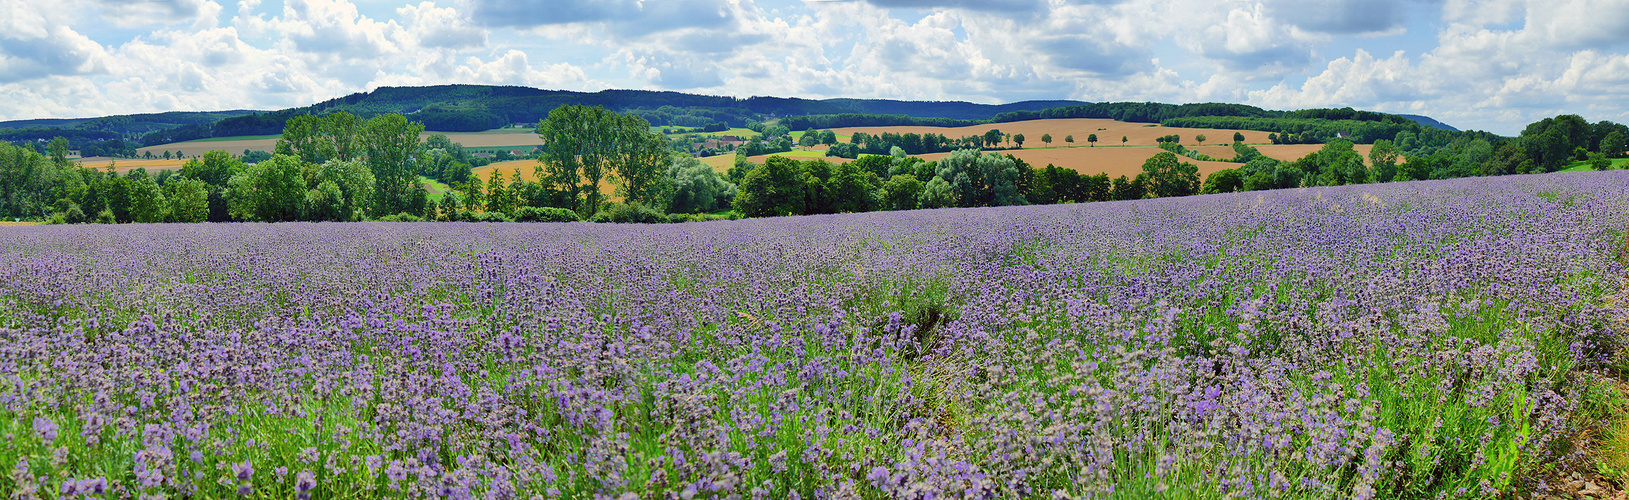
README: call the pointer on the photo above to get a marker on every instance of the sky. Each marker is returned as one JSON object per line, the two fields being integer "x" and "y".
{"x": 1492, "y": 65}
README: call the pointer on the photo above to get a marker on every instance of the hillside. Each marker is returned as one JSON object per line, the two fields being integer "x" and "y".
{"x": 471, "y": 108}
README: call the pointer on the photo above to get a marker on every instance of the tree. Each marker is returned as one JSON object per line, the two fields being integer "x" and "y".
{"x": 1019, "y": 139}
{"x": 353, "y": 179}
{"x": 697, "y": 188}
{"x": 391, "y": 142}
{"x": 147, "y": 203}
{"x": 325, "y": 203}
{"x": 58, "y": 147}
{"x": 189, "y": 200}
{"x": 215, "y": 168}
{"x": 639, "y": 160}
{"x": 901, "y": 192}
{"x": 772, "y": 189}
{"x": 1167, "y": 176}
{"x": 937, "y": 193}
{"x": 1238, "y": 137}
{"x": 1092, "y": 140}
{"x": 809, "y": 138}
{"x": 1613, "y": 144}
{"x": 1226, "y": 180}
{"x": 1070, "y": 139}
{"x": 854, "y": 189}
{"x": 1383, "y": 161}
{"x": 828, "y": 137}
{"x": 993, "y": 137}
{"x": 497, "y": 193}
{"x": 1047, "y": 139}
{"x": 269, "y": 191}
{"x": 1123, "y": 139}
{"x": 1200, "y": 139}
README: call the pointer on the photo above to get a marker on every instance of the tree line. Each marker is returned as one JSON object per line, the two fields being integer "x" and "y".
{"x": 604, "y": 166}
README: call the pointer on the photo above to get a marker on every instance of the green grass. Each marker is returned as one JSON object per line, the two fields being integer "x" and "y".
{"x": 435, "y": 188}
{"x": 1583, "y": 166}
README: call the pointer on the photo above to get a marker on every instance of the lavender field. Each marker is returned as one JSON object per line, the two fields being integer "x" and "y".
{"x": 1407, "y": 340}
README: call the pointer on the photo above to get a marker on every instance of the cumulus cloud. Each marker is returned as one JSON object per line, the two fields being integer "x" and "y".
{"x": 442, "y": 27}
{"x": 1474, "y": 63}
{"x": 36, "y": 43}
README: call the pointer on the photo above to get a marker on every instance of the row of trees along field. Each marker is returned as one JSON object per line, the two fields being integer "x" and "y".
{"x": 340, "y": 167}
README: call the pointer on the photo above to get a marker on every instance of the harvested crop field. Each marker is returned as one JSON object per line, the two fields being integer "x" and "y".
{"x": 1139, "y": 134}
{"x": 122, "y": 165}
{"x": 1401, "y": 340}
{"x": 521, "y": 139}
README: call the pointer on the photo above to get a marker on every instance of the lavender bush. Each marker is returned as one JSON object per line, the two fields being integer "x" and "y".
{"x": 1399, "y": 340}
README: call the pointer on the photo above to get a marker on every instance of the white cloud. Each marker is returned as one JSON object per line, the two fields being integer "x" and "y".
{"x": 441, "y": 27}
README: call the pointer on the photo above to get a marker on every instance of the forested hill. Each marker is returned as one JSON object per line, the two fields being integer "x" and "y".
{"x": 467, "y": 108}
{"x": 1427, "y": 121}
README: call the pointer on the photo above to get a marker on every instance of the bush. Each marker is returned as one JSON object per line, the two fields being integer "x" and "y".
{"x": 401, "y": 217}
{"x": 543, "y": 214}
{"x": 74, "y": 215}
{"x": 489, "y": 217}
{"x": 105, "y": 217}
{"x": 630, "y": 213}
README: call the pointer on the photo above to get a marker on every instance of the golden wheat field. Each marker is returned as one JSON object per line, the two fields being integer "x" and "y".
{"x": 1108, "y": 132}
{"x": 122, "y": 165}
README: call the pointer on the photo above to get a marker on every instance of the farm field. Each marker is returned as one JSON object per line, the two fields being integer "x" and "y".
{"x": 519, "y": 138}
{"x": 1404, "y": 340}
{"x": 1113, "y": 160}
{"x": 122, "y": 165}
{"x": 1108, "y": 132}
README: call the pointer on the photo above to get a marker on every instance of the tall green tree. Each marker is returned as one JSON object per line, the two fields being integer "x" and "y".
{"x": 188, "y": 199}
{"x": 1383, "y": 161}
{"x": 147, "y": 203}
{"x": 774, "y": 188}
{"x": 215, "y": 168}
{"x": 1168, "y": 176}
{"x": 639, "y": 162}
{"x": 269, "y": 191}
{"x": 391, "y": 142}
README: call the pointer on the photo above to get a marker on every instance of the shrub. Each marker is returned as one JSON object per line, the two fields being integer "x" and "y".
{"x": 489, "y": 217}
{"x": 626, "y": 213}
{"x": 543, "y": 214}
{"x": 401, "y": 217}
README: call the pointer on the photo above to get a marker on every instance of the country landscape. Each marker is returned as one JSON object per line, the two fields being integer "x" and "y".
{"x": 1091, "y": 285}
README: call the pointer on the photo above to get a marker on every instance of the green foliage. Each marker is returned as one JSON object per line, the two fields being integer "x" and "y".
{"x": 1167, "y": 176}
{"x": 189, "y": 200}
{"x": 1226, "y": 180}
{"x": 390, "y": 142}
{"x": 401, "y": 217}
{"x": 629, "y": 213}
{"x": 901, "y": 192}
{"x": 147, "y": 202}
{"x": 269, "y": 191}
{"x": 543, "y": 214}
{"x": 772, "y": 189}
{"x": 215, "y": 168}
{"x": 697, "y": 188}
{"x": 977, "y": 180}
